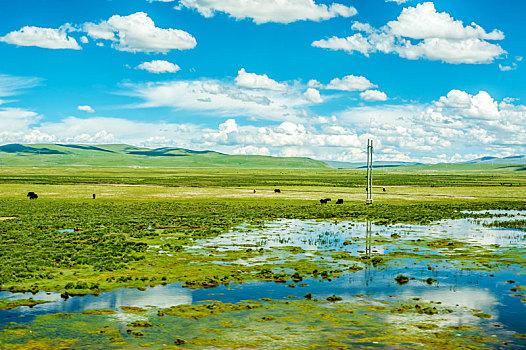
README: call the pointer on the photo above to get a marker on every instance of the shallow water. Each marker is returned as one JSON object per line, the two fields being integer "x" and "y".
{"x": 481, "y": 290}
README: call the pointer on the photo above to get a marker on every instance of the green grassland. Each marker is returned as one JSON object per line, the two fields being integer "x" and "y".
{"x": 65, "y": 241}
{"x": 135, "y": 208}
{"x": 46, "y": 155}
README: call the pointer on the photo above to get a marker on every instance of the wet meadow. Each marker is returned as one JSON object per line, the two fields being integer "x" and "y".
{"x": 193, "y": 259}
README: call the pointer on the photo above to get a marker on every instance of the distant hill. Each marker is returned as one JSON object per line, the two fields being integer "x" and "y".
{"x": 362, "y": 165}
{"x": 480, "y": 164}
{"x": 131, "y": 156}
{"x": 497, "y": 160}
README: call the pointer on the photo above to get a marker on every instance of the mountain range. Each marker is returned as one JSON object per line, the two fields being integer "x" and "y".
{"x": 115, "y": 155}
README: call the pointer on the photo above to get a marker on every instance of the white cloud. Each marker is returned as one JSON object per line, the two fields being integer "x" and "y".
{"x": 480, "y": 106}
{"x": 158, "y": 66}
{"x": 220, "y": 98}
{"x": 457, "y": 126}
{"x": 456, "y": 99}
{"x": 508, "y": 68}
{"x": 260, "y": 151}
{"x": 313, "y": 83}
{"x": 264, "y": 11}
{"x": 399, "y": 2}
{"x": 86, "y": 109}
{"x": 422, "y": 32}
{"x": 48, "y": 38}
{"x": 350, "y": 83}
{"x": 313, "y": 95}
{"x": 286, "y": 134}
{"x": 470, "y": 51}
{"x": 14, "y": 119}
{"x": 84, "y": 39}
{"x": 254, "y": 81}
{"x": 11, "y": 85}
{"x": 138, "y": 33}
{"x": 356, "y": 42}
{"x": 424, "y": 22}
{"x": 373, "y": 95}
{"x": 118, "y": 130}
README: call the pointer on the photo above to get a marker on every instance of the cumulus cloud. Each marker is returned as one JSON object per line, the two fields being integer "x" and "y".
{"x": 138, "y": 33}
{"x": 350, "y": 44}
{"x": 422, "y": 32}
{"x": 457, "y": 126}
{"x": 48, "y": 38}
{"x": 287, "y": 139}
{"x": 313, "y": 95}
{"x": 313, "y": 83}
{"x": 479, "y": 106}
{"x": 453, "y": 128}
{"x": 254, "y": 81}
{"x": 264, "y": 11}
{"x": 286, "y": 134}
{"x": 373, "y": 95}
{"x": 424, "y": 22}
{"x": 350, "y": 83}
{"x": 399, "y": 2}
{"x": 159, "y": 66}
{"x": 86, "y": 109}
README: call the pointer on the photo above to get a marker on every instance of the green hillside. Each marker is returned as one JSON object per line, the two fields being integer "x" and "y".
{"x": 49, "y": 155}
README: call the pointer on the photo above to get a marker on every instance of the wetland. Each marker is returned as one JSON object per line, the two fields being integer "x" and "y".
{"x": 224, "y": 268}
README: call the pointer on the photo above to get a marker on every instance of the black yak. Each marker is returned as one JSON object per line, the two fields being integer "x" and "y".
{"x": 339, "y": 201}
{"x": 277, "y": 190}
{"x": 32, "y": 195}
{"x": 323, "y": 201}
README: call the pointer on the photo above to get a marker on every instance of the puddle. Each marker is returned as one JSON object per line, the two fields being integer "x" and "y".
{"x": 69, "y": 230}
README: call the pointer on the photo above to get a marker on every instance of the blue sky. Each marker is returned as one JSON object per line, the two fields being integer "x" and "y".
{"x": 428, "y": 81}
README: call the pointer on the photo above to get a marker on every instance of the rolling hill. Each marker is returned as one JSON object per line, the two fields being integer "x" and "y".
{"x": 46, "y": 155}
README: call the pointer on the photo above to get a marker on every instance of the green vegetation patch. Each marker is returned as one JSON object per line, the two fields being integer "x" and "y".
{"x": 16, "y": 304}
{"x": 517, "y": 224}
{"x": 203, "y": 310}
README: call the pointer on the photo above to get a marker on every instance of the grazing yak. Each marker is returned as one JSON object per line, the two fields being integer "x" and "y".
{"x": 339, "y": 201}
{"x": 323, "y": 201}
{"x": 277, "y": 190}
{"x": 32, "y": 195}
{"x": 383, "y": 188}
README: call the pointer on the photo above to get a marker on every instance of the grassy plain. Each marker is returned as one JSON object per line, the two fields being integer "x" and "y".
{"x": 114, "y": 241}
{"x": 111, "y": 233}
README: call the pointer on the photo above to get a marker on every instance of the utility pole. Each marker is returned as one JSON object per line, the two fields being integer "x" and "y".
{"x": 369, "y": 187}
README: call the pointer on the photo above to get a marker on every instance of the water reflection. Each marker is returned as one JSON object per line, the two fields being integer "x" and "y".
{"x": 312, "y": 235}
{"x": 159, "y": 296}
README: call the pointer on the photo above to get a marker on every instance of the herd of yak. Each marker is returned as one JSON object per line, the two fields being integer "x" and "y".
{"x": 33, "y": 195}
